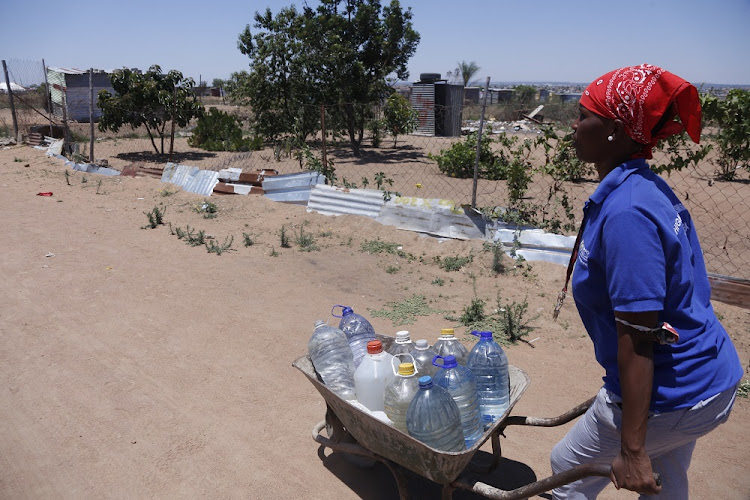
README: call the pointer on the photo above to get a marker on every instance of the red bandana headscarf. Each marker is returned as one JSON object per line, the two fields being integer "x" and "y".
{"x": 640, "y": 96}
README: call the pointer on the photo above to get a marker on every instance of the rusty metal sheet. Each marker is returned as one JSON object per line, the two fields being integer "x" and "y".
{"x": 232, "y": 188}
{"x": 238, "y": 176}
{"x": 732, "y": 291}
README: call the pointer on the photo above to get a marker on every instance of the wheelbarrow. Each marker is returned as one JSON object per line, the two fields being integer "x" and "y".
{"x": 353, "y": 431}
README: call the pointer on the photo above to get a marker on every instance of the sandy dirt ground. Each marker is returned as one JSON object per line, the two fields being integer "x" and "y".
{"x": 135, "y": 366}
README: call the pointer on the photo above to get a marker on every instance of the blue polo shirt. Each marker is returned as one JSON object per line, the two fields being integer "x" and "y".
{"x": 639, "y": 252}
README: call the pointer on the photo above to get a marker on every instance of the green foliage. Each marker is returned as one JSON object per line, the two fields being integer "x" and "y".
{"x": 305, "y": 241}
{"x": 213, "y": 247}
{"x": 392, "y": 269}
{"x": 453, "y": 263}
{"x": 732, "y": 116}
{"x": 743, "y": 389}
{"x": 220, "y": 131}
{"x": 458, "y": 160}
{"x": 208, "y": 209}
{"x": 284, "y": 238}
{"x": 339, "y": 52}
{"x": 498, "y": 258}
{"x": 473, "y": 313}
{"x": 406, "y": 311}
{"x": 438, "y": 281}
{"x": 508, "y": 322}
{"x": 150, "y": 99}
{"x": 155, "y": 218}
{"x": 679, "y": 153}
{"x": 466, "y": 71}
{"x": 524, "y": 94}
{"x": 308, "y": 161}
{"x": 378, "y": 246}
{"x": 400, "y": 118}
{"x": 247, "y": 240}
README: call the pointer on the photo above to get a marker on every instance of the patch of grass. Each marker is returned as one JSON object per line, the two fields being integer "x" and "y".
{"x": 167, "y": 192}
{"x": 453, "y": 263}
{"x": 392, "y": 269}
{"x": 213, "y": 247}
{"x": 378, "y": 246}
{"x": 155, "y": 218}
{"x": 406, "y": 311}
{"x": 273, "y": 252}
{"x": 284, "y": 238}
{"x": 744, "y": 389}
{"x": 17, "y": 160}
{"x": 325, "y": 234}
{"x": 508, "y": 322}
{"x": 438, "y": 281}
{"x": 208, "y": 209}
{"x": 190, "y": 236}
{"x": 306, "y": 242}
{"x": 247, "y": 240}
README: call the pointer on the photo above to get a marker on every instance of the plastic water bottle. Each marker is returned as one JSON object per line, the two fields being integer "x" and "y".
{"x": 358, "y": 331}
{"x": 423, "y": 357}
{"x": 332, "y": 359}
{"x": 488, "y": 363}
{"x": 402, "y": 345}
{"x": 461, "y": 384}
{"x": 400, "y": 392}
{"x": 372, "y": 375}
{"x": 448, "y": 345}
{"x": 433, "y": 418}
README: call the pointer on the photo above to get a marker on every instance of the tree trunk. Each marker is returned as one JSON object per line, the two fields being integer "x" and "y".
{"x": 350, "y": 125}
{"x": 151, "y": 136}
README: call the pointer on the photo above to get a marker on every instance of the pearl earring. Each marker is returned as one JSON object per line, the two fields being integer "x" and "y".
{"x": 610, "y": 138}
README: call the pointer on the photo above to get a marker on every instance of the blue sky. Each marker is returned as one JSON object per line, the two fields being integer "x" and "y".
{"x": 532, "y": 41}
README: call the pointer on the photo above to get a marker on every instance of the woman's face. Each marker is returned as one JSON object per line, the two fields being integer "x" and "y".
{"x": 590, "y": 133}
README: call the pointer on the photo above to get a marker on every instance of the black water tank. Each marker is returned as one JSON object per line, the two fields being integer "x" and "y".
{"x": 429, "y": 77}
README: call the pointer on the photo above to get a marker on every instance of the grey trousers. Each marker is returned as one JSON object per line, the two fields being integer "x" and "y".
{"x": 670, "y": 440}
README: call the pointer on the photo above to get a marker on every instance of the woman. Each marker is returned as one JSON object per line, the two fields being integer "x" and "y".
{"x": 639, "y": 269}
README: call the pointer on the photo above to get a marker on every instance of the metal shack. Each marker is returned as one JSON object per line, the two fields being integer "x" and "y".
{"x": 438, "y": 104}
{"x": 69, "y": 87}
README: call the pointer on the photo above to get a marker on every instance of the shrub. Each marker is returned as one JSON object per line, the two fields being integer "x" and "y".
{"x": 220, "y": 131}
{"x": 458, "y": 160}
{"x": 732, "y": 116}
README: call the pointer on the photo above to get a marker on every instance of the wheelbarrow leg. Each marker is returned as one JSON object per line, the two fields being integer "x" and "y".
{"x": 341, "y": 440}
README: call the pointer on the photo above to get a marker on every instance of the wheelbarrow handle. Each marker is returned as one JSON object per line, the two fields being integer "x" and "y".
{"x": 550, "y": 421}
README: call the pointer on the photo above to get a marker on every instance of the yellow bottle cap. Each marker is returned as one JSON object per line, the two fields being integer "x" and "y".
{"x": 446, "y": 331}
{"x": 406, "y": 369}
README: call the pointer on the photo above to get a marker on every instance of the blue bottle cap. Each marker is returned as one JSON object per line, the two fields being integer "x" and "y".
{"x": 425, "y": 381}
{"x": 346, "y": 310}
{"x": 449, "y": 361}
{"x": 484, "y": 335}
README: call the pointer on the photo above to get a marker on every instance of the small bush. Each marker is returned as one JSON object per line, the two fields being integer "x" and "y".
{"x": 247, "y": 240}
{"x": 458, "y": 160}
{"x": 220, "y": 131}
{"x": 284, "y": 238}
{"x": 453, "y": 263}
{"x": 213, "y": 247}
{"x": 155, "y": 218}
{"x": 306, "y": 242}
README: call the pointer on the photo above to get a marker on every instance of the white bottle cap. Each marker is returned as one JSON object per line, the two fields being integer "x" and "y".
{"x": 421, "y": 345}
{"x": 403, "y": 337}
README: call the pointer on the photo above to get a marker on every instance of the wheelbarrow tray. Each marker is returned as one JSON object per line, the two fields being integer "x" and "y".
{"x": 443, "y": 467}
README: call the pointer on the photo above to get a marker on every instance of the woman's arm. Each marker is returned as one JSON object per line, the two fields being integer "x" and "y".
{"x": 631, "y": 469}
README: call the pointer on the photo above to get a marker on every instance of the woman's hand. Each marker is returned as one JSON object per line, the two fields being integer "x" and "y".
{"x": 633, "y": 472}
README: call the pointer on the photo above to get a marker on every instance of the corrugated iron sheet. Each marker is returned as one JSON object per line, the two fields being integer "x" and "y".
{"x": 435, "y": 216}
{"x": 292, "y": 188}
{"x": 423, "y": 102}
{"x": 191, "y": 179}
{"x": 448, "y": 105}
{"x": 534, "y": 244}
{"x": 233, "y": 188}
{"x": 329, "y": 200}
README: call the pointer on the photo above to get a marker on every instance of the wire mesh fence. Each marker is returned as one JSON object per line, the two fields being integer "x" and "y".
{"x": 406, "y": 164}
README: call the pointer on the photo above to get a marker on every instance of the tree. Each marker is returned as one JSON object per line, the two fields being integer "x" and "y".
{"x": 466, "y": 70}
{"x": 341, "y": 52}
{"x": 150, "y": 99}
{"x": 524, "y": 94}
{"x": 400, "y": 117}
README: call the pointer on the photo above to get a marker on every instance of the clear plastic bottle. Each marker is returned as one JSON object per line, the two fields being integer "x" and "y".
{"x": 461, "y": 384}
{"x": 448, "y": 345}
{"x": 488, "y": 363}
{"x": 423, "y": 356}
{"x": 372, "y": 375}
{"x": 332, "y": 359}
{"x": 400, "y": 392}
{"x": 433, "y": 417}
{"x": 402, "y": 345}
{"x": 358, "y": 331}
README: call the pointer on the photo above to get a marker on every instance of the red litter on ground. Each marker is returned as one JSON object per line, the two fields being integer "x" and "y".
{"x": 48, "y": 193}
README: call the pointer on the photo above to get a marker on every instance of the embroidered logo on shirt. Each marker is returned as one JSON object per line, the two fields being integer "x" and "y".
{"x": 677, "y": 224}
{"x": 583, "y": 253}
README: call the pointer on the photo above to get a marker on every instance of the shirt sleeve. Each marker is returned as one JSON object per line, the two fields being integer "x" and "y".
{"x": 634, "y": 261}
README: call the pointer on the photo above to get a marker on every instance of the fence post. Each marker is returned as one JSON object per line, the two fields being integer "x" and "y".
{"x": 91, "y": 115}
{"x": 12, "y": 106}
{"x": 174, "y": 114}
{"x": 49, "y": 100}
{"x": 323, "y": 132}
{"x": 479, "y": 145}
{"x": 67, "y": 146}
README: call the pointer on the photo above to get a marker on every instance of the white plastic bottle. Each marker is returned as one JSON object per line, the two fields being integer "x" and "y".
{"x": 402, "y": 345}
{"x": 488, "y": 363}
{"x": 448, "y": 345}
{"x": 461, "y": 384}
{"x": 358, "y": 331}
{"x": 400, "y": 392}
{"x": 332, "y": 359}
{"x": 372, "y": 375}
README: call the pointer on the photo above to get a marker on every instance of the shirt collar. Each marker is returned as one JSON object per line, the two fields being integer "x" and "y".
{"x": 616, "y": 177}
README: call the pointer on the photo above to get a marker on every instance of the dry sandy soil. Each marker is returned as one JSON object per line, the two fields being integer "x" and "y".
{"x": 133, "y": 365}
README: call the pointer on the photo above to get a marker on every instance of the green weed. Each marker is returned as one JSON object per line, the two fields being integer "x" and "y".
{"x": 213, "y": 247}
{"x": 273, "y": 252}
{"x": 306, "y": 242}
{"x": 208, "y": 209}
{"x": 284, "y": 238}
{"x": 453, "y": 263}
{"x": 155, "y": 218}
{"x": 406, "y": 311}
{"x": 392, "y": 269}
{"x": 744, "y": 389}
{"x": 247, "y": 240}
{"x": 438, "y": 281}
